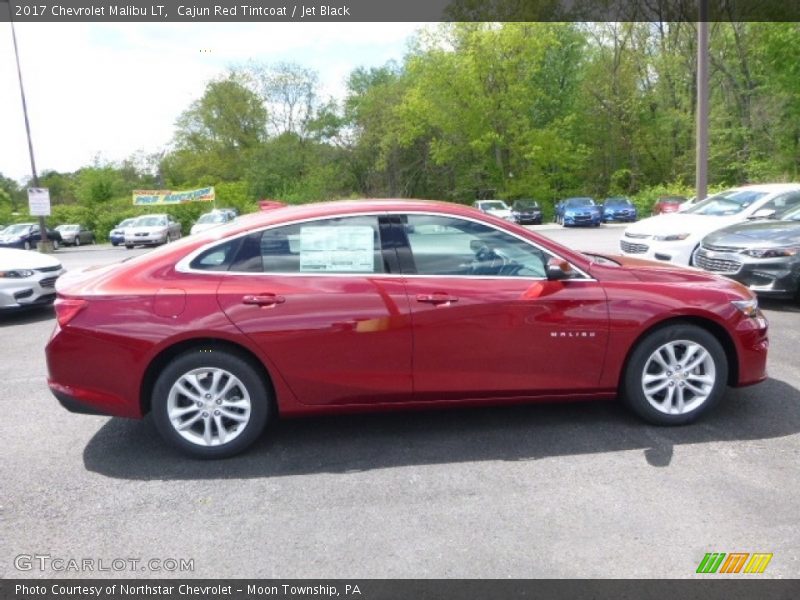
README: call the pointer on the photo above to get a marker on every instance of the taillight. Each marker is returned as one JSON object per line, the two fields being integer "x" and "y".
{"x": 67, "y": 309}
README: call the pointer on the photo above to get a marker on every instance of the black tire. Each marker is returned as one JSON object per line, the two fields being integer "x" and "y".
{"x": 210, "y": 358}
{"x": 632, "y": 387}
{"x": 55, "y": 244}
{"x": 77, "y": 241}
{"x": 115, "y": 244}
{"x": 129, "y": 246}
{"x": 26, "y": 245}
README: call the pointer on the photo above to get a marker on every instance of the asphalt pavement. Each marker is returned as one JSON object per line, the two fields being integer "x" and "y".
{"x": 560, "y": 490}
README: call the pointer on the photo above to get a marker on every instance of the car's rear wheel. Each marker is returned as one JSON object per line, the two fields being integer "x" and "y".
{"x": 55, "y": 244}
{"x": 210, "y": 403}
{"x": 77, "y": 240}
{"x": 675, "y": 374}
{"x": 26, "y": 245}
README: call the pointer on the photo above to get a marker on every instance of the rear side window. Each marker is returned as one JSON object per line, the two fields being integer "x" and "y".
{"x": 218, "y": 258}
{"x": 341, "y": 245}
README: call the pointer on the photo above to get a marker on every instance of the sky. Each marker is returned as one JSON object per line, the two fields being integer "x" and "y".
{"x": 110, "y": 90}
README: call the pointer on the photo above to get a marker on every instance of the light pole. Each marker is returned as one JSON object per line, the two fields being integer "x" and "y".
{"x": 701, "y": 155}
{"x": 44, "y": 244}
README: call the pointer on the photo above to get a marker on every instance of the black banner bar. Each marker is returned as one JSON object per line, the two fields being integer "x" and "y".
{"x": 710, "y": 588}
{"x": 187, "y": 11}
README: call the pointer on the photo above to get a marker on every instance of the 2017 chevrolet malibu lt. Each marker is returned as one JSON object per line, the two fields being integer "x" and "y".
{"x": 764, "y": 255}
{"x": 675, "y": 237}
{"x": 27, "y": 278}
{"x": 381, "y": 305}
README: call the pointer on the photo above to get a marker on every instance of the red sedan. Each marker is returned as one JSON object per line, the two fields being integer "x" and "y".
{"x": 373, "y": 305}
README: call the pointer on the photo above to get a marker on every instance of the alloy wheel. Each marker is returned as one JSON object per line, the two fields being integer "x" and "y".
{"x": 678, "y": 377}
{"x": 209, "y": 406}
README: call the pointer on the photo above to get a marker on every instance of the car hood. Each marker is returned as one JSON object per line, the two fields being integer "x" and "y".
{"x": 572, "y": 209}
{"x": 676, "y": 223}
{"x": 649, "y": 271}
{"x": 198, "y": 227}
{"x": 25, "y": 259}
{"x": 144, "y": 228}
{"x": 499, "y": 212}
{"x": 761, "y": 234}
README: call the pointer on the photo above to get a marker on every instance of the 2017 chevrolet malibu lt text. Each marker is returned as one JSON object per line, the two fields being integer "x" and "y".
{"x": 378, "y": 305}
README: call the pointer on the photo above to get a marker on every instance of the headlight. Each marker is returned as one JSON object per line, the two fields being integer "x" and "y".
{"x": 671, "y": 238}
{"x": 17, "y": 274}
{"x": 749, "y": 308}
{"x": 771, "y": 252}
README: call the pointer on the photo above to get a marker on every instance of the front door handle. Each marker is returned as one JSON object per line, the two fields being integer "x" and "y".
{"x": 263, "y": 299}
{"x": 436, "y": 298}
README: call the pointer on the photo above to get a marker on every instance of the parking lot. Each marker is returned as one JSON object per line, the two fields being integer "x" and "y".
{"x": 566, "y": 490}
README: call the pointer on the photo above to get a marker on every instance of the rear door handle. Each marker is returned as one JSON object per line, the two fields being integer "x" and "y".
{"x": 436, "y": 298}
{"x": 263, "y": 299}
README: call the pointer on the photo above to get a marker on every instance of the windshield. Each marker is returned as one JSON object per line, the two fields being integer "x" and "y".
{"x": 150, "y": 222}
{"x": 730, "y": 202}
{"x": 494, "y": 205}
{"x": 525, "y": 205}
{"x": 212, "y": 218}
{"x": 618, "y": 202}
{"x": 68, "y": 227}
{"x": 791, "y": 215}
{"x": 17, "y": 229}
{"x": 579, "y": 202}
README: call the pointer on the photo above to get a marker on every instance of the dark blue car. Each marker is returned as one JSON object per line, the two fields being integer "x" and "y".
{"x": 578, "y": 211}
{"x": 618, "y": 209}
{"x": 117, "y": 235}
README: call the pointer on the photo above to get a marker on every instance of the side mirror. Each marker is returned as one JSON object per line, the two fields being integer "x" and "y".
{"x": 764, "y": 213}
{"x": 559, "y": 269}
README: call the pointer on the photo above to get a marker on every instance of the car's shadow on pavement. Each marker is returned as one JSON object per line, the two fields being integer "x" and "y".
{"x": 24, "y": 316}
{"x": 133, "y": 450}
{"x": 783, "y": 305}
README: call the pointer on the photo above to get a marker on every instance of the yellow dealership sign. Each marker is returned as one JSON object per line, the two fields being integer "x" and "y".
{"x": 167, "y": 197}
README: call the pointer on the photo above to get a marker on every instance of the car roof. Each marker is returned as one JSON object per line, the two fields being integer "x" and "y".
{"x": 770, "y": 188}
{"x": 299, "y": 212}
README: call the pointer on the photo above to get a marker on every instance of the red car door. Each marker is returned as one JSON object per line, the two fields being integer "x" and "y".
{"x": 486, "y": 321}
{"x": 320, "y": 300}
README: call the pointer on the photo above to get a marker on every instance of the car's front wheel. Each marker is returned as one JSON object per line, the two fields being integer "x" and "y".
{"x": 675, "y": 374}
{"x": 210, "y": 403}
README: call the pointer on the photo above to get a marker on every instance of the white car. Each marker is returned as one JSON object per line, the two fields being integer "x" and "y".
{"x": 211, "y": 219}
{"x": 496, "y": 208}
{"x": 674, "y": 237}
{"x": 152, "y": 230}
{"x": 27, "y": 278}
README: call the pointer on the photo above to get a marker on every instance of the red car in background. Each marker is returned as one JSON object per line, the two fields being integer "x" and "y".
{"x": 380, "y": 305}
{"x": 668, "y": 204}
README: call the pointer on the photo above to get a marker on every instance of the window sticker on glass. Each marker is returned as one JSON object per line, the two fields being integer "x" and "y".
{"x": 346, "y": 249}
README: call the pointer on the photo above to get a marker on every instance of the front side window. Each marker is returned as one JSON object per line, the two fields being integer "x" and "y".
{"x": 340, "y": 245}
{"x": 451, "y": 246}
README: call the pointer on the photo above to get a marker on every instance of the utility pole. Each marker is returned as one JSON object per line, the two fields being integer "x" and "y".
{"x": 701, "y": 155}
{"x": 44, "y": 244}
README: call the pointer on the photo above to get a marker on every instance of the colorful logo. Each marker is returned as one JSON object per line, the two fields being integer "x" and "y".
{"x": 735, "y": 562}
